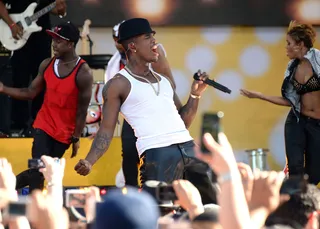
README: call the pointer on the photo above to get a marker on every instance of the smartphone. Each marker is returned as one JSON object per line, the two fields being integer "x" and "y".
{"x": 76, "y": 198}
{"x": 16, "y": 208}
{"x": 210, "y": 124}
{"x": 35, "y": 164}
{"x": 165, "y": 193}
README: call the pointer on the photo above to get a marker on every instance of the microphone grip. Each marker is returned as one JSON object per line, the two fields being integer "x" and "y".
{"x": 213, "y": 84}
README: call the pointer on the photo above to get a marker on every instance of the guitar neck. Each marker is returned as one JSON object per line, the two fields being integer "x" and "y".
{"x": 43, "y": 11}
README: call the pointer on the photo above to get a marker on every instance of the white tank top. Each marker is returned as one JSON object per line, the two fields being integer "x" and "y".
{"x": 154, "y": 119}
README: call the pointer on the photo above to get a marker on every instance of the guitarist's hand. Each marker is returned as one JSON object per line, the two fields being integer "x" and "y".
{"x": 16, "y": 31}
{"x": 1, "y": 87}
{"x": 61, "y": 7}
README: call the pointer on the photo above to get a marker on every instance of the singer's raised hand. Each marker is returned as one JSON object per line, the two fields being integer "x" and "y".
{"x": 198, "y": 86}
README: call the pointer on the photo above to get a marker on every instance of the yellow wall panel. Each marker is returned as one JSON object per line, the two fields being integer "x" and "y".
{"x": 18, "y": 151}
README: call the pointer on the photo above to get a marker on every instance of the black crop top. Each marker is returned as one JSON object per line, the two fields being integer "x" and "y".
{"x": 313, "y": 83}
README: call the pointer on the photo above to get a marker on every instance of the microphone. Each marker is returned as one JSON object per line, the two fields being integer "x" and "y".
{"x": 213, "y": 83}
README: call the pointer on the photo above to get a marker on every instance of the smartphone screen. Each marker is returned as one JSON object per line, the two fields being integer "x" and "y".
{"x": 16, "y": 208}
{"x": 76, "y": 198}
{"x": 35, "y": 164}
{"x": 210, "y": 124}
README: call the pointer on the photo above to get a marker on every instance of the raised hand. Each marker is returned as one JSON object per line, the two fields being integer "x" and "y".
{"x": 198, "y": 86}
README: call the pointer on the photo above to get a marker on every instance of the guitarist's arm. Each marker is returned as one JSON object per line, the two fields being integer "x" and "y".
{"x": 60, "y": 9}
{"x": 4, "y": 15}
{"x": 29, "y": 93}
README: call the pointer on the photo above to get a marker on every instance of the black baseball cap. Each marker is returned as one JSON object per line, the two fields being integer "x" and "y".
{"x": 134, "y": 27}
{"x": 66, "y": 31}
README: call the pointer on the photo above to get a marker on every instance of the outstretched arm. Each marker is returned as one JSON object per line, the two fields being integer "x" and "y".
{"x": 36, "y": 86}
{"x": 278, "y": 100}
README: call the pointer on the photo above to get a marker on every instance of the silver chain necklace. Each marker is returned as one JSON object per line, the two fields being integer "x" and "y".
{"x": 145, "y": 79}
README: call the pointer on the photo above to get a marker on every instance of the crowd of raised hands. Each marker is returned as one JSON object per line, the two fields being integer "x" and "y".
{"x": 246, "y": 199}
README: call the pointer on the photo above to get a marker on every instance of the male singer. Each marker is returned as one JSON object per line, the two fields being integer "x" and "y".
{"x": 148, "y": 102}
{"x": 130, "y": 156}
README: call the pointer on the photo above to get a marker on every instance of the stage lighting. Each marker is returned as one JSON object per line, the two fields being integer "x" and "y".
{"x": 307, "y": 11}
{"x": 124, "y": 191}
{"x": 156, "y": 11}
{"x": 103, "y": 192}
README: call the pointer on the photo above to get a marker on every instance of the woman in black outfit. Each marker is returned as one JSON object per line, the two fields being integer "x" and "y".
{"x": 301, "y": 91}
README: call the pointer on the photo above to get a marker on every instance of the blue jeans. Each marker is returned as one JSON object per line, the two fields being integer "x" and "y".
{"x": 178, "y": 162}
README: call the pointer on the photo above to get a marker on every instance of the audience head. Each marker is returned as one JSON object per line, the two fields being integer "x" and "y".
{"x": 127, "y": 208}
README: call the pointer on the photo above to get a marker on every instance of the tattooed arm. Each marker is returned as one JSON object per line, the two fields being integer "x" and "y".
{"x": 111, "y": 107}
{"x": 189, "y": 110}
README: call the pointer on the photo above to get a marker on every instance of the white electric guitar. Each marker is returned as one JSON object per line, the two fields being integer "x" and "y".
{"x": 27, "y": 20}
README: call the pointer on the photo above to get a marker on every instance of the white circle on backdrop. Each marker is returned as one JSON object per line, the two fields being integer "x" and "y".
{"x": 276, "y": 142}
{"x": 271, "y": 35}
{"x": 102, "y": 43}
{"x": 183, "y": 83}
{"x": 232, "y": 80}
{"x": 200, "y": 57}
{"x": 216, "y": 35}
{"x": 254, "y": 61}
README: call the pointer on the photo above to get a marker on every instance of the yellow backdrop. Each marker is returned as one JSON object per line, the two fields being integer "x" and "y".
{"x": 252, "y": 58}
{"x": 18, "y": 151}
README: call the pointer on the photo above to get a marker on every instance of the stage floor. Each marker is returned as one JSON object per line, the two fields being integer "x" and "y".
{"x": 18, "y": 151}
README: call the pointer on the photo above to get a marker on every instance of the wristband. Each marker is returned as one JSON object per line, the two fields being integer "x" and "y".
{"x": 12, "y": 25}
{"x": 50, "y": 184}
{"x": 195, "y": 96}
{"x": 224, "y": 177}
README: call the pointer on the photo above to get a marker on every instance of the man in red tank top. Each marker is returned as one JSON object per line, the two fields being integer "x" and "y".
{"x": 67, "y": 82}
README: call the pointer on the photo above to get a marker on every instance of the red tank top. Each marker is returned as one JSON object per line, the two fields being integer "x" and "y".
{"x": 121, "y": 65}
{"x": 57, "y": 116}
